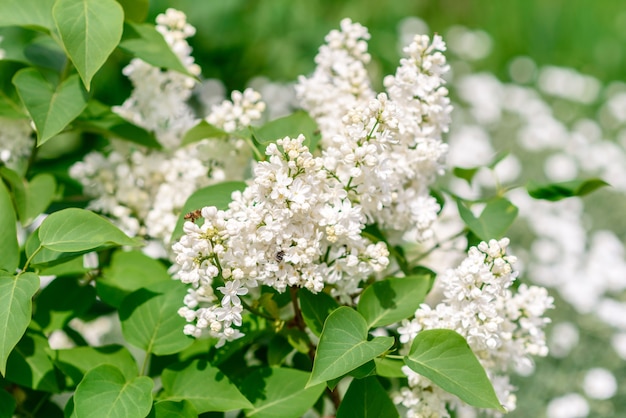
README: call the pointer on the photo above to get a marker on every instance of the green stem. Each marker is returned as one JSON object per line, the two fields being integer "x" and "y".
{"x": 27, "y": 264}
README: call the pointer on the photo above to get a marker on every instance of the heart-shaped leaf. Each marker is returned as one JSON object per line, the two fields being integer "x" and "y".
{"x": 26, "y": 13}
{"x": 393, "y": 299}
{"x": 51, "y": 108}
{"x": 205, "y": 386}
{"x": 104, "y": 392}
{"x": 15, "y": 310}
{"x": 344, "y": 346}
{"x": 30, "y": 366}
{"x": 493, "y": 222}
{"x": 366, "y": 398}
{"x": 563, "y": 190}
{"x": 315, "y": 309}
{"x": 444, "y": 357}
{"x": 203, "y": 130}
{"x": 90, "y": 30}
{"x": 271, "y": 397}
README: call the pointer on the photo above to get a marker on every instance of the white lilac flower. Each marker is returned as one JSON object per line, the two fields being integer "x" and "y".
{"x": 270, "y": 235}
{"x": 16, "y": 142}
{"x": 503, "y": 327}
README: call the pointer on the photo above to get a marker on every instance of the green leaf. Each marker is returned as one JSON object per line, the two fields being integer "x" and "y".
{"x": 29, "y": 364}
{"x": 9, "y": 247}
{"x": 7, "y": 404}
{"x": 218, "y": 195}
{"x": 493, "y": 222}
{"x": 145, "y": 42}
{"x": 37, "y": 13}
{"x": 135, "y": 10}
{"x": 98, "y": 118}
{"x": 51, "y": 108}
{"x": 203, "y": 130}
{"x": 129, "y": 271}
{"x": 466, "y": 174}
{"x": 205, "y": 386}
{"x": 40, "y": 192}
{"x": 44, "y": 52}
{"x": 150, "y": 320}
{"x": 344, "y": 346}
{"x": 104, "y": 392}
{"x": 315, "y": 309}
{"x": 75, "y": 362}
{"x": 392, "y": 300}
{"x": 558, "y": 191}
{"x": 366, "y": 398}
{"x": 45, "y": 257}
{"x": 278, "y": 349}
{"x": 63, "y": 299}
{"x": 387, "y": 367}
{"x": 293, "y": 125}
{"x": 15, "y": 310}
{"x": 73, "y": 230}
{"x": 271, "y": 397}
{"x": 444, "y": 357}
{"x": 298, "y": 339}
{"x": 90, "y": 30}
{"x": 168, "y": 409}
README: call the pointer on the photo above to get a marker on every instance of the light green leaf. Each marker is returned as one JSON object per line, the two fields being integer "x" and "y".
{"x": 29, "y": 364}
{"x": 392, "y": 300}
{"x": 344, "y": 346}
{"x": 150, "y": 320}
{"x": 135, "y": 10}
{"x": 218, "y": 195}
{"x": 37, "y": 13}
{"x": 387, "y": 367}
{"x": 444, "y": 357}
{"x": 293, "y": 125}
{"x": 40, "y": 191}
{"x": 98, "y": 118}
{"x": 15, "y": 310}
{"x": 129, "y": 271}
{"x": 75, "y": 362}
{"x": 73, "y": 230}
{"x": 45, "y": 257}
{"x": 7, "y": 404}
{"x": 366, "y": 398}
{"x": 17, "y": 187}
{"x": 51, "y": 108}
{"x": 90, "y": 30}
{"x": 63, "y": 299}
{"x": 271, "y": 397}
{"x": 9, "y": 247}
{"x": 315, "y": 309}
{"x": 104, "y": 392}
{"x": 205, "y": 386}
{"x": 169, "y": 409}
{"x": 143, "y": 41}
{"x": 563, "y": 190}
{"x": 493, "y": 222}
{"x": 203, "y": 130}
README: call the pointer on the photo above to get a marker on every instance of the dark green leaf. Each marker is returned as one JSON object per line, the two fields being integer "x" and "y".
{"x": 315, "y": 309}
{"x": 393, "y": 299}
{"x": 73, "y": 230}
{"x": 558, "y": 191}
{"x": 493, "y": 222}
{"x": 366, "y": 398}
{"x": 143, "y": 41}
{"x": 129, "y": 271}
{"x": 75, "y": 362}
{"x": 218, "y": 195}
{"x": 7, "y": 404}
{"x": 52, "y": 108}
{"x": 444, "y": 357}
{"x": 466, "y": 174}
{"x": 293, "y": 125}
{"x": 203, "y": 130}
{"x": 30, "y": 366}
{"x": 150, "y": 320}
{"x": 98, "y": 118}
{"x": 135, "y": 10}
{"x": 90, "y": 30}
{"x": 298, "y": 339}
{"x": 205, "y": 386}
{"x": 15, "y": 310}
{"x": 44, "y": 52}
{"x": 387, "y": 367}
{"x": 277, "y": 350}
{"x": 63, "y": 299}
{"x": 277, "y": 392}
{"x": 344, "y": 346}
{"x": 168, "y": 409}
{"x": 104, "y": 392}
{"x": 9, "y": 247}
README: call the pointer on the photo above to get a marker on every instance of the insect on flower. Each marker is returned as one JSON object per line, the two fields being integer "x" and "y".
{"x": 193, "y": 215}
{"x": 279, "y": 256}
